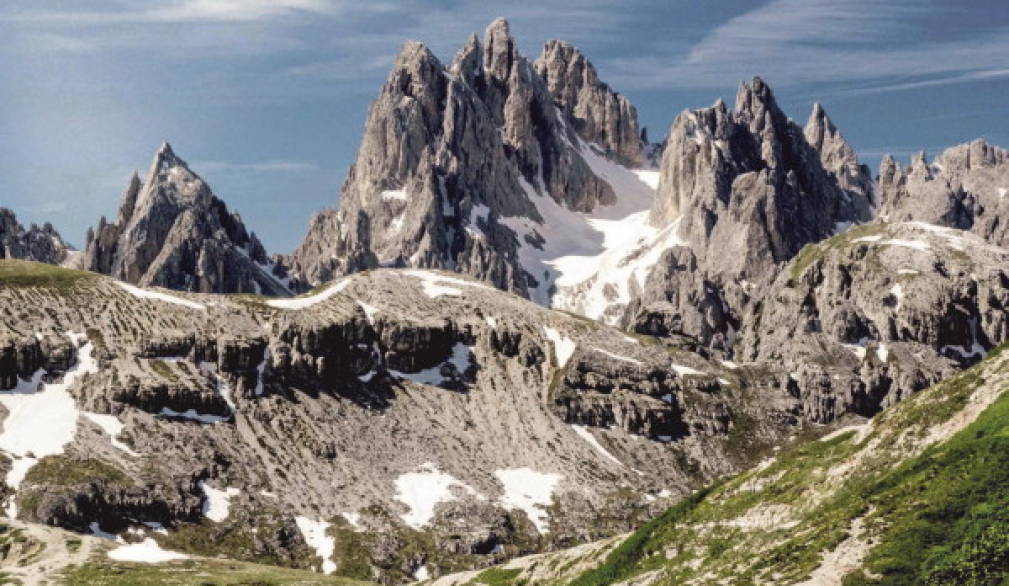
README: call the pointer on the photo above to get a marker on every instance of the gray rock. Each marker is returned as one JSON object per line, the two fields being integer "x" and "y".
{"x": 171, "y": 231}
{"x": 38, "y": 243}
{"x": 449, "y": 151}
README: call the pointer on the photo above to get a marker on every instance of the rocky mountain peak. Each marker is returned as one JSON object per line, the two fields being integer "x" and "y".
{"x": 600, "y": 115}
{"x": 448, "y": 153}
{"x": 499, "y": 49}
{"x": 171, "y": 231}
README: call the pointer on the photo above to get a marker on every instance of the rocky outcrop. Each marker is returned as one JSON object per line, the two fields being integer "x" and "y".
{"x": 171, "y": 231}
{"x": 964, "y": 187}
{"x": 38, "y": 243}
{"x": 869, "y": 317}
{"x": 599, "y": 114}
{"x": 748, "y": 189}
{"x": 449, "y": 152}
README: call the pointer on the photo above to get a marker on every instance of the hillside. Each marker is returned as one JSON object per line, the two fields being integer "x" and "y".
{"x": 916, "y": 496}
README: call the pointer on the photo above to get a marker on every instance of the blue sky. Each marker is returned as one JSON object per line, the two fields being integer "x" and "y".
{"x": 266, "y": 98}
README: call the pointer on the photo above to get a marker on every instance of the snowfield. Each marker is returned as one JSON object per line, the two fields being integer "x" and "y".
{"x": 146, "y": 552}
{"x": 529, "y": 491}
{"x": 592, "y": 264}
{"x": 422, "y": 491}
{"x": 315, "y": 536}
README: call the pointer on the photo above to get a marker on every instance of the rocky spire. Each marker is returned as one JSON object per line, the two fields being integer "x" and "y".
{"x": 171, "y": 231}
{"x": 600, "y": 115}
{"x": 839, "y": 158}
{"x": 447, "y": 152}
{"x": 746, "y": 191}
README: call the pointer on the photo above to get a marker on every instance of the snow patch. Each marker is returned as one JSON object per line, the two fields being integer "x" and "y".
{"x": 913, "y": 244}
{"x": 159, "y": 296}
{"x": 687, "y": 371}
{"x": 436, "y": 284}
{"x": 529, "y": 491}
{"x": 873, "y": 238}
{"x": 394, "y": 195}
{"x": 217, "y": 505}
{"x": 354, "y": 518}
{"x": 111, "y": 425}
{"x": 303, "y": 302}
{"x": 618, "y": 356}
{"x": 564, "y": 347}
{"x": 41, "y": 418}
{"x": 422, "y": 491}
{"x": 729, "y": 364}
{"x": 460, "y": 358}
{"x": 193, "y": 415}
{"x": 146, "y": 552}
{"x": 315, "y": 536}
{"x": 898, "y": 292}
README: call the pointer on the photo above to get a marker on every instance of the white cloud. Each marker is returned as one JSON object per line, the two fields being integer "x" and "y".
{"x": 274, "y": 166}
{"x": 180, "y": 11}
{"x": 792, "y": 42}
{"x": 238, "y": 10}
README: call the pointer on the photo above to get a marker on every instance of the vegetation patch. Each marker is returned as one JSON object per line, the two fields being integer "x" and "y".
{"x": 23, "y": 273}
{"x": 63, "y": 470}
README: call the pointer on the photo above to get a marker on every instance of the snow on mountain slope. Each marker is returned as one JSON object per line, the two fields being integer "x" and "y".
{"x": 592, "y": 263}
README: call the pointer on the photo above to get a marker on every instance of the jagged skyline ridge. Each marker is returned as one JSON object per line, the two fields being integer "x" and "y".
{"x": 280, "y": 150}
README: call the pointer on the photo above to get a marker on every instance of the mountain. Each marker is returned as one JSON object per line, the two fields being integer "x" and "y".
{"x": 421, "y": 418}
{"x": 172, "y": 231}
{"x": 743, "y": 190}
{"x": 42, "y": 244}
{"x": 473, "y": 167}
{"x": 964, "y": 187}
{"x": 916, "y": 496}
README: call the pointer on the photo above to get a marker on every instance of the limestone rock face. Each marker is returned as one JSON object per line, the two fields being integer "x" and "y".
{"x": 599, "y": 114}
{"x": 38, "y": 243}
{"x": 172, "y": 231}
{"x": 448, "y": 153}
{"x": 870, "y": 316}
{"x": 964, "y": 187}
{"x": 337, "y": 405}
{"x": 749, "y": 188}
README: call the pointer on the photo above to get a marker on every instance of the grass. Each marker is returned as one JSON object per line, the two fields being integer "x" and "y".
{"x": 939, "y": 517}
{"x": 497, "y": 576}
{"x": 202, "y": 571}
{"x": 62, "y": 470}
{"x": 947, "y": 510}
{"x": 23, "y": 273}
{"x": 810, "y": 253}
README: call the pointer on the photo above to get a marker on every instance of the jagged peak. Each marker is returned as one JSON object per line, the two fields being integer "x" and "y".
{"x": 754, "y": 94}
{"x": 164, "y": 159}
{"x": 499, "y": 49}
{"x": 468, "y": 61}
{"x": 413, "y": 54}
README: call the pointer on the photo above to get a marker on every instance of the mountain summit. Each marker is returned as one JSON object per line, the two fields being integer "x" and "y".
{"x": 454, "y": 158}
{"x": 172, "y": 231}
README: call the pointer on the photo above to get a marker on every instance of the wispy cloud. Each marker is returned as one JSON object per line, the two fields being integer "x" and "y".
{"x": 795, "y": 42}
{"x": 273, "y": 166}
{"x": 180, "y": 11}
